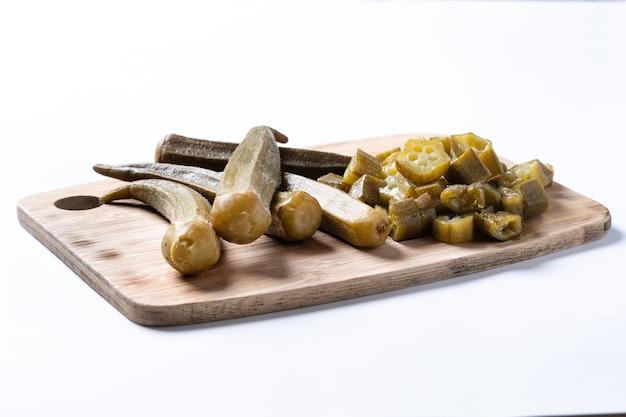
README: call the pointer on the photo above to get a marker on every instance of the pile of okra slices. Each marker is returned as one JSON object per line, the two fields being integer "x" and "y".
{"x": 453, "y": 187}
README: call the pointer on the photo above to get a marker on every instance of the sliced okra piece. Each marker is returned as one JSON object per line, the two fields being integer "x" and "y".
{"x": 464, "y": 198}
{"x": 543, "y": 173}
{"x": 454, "y": 228}
{"x": 446, "y": 141}
{"x": 454, "y": 197}
{"x": 500, "y": 225}
{"x": 360, "y": 164}
{"x": 512, "y": 200}
{"x": 467, "y": 168}
{"x": 382, "y": 156}
{"x": 395, "y": 186}
{"x": 434, "y": 189}
{"x": 484, "y": 150}
{"x": 422, "y": 160}
{"x": 367, "y": 189}
{"x": 491, "y": 195}
{"x": 334, "y": 180}
{"x": 536, "y": 199}
{"x": 411, "y": 218}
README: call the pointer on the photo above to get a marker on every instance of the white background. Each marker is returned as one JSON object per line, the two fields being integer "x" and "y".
{"x": 87, "y": 82}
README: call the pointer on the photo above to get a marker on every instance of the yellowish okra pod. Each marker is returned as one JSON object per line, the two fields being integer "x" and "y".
{"x": 241, "y": 209}
{"x": 189, "y": 245}
{"x": 343, "y": 216}
{"x": 296, "y": 215}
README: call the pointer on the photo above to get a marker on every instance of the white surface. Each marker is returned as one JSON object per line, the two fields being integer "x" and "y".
{"x": 85, "y": 82}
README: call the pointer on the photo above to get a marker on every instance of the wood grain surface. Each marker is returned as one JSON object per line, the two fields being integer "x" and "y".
{"x": 116, "y": 249}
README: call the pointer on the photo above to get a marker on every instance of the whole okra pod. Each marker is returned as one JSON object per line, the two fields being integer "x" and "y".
{"x": 214, "y": 155}
{"x": 241, "y": 209}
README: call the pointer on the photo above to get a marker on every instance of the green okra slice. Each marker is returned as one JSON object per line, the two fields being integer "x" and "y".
{"x": 512, "y": 200}
{"x": 423, "y": 160}
{"x": 483, "y": 149}
{"x": 334, "y": 180}
{"x": 500, "y": 225}
{"x": 467, "y": 168}
{"x": 367, "y": 189}
{"x": 360, "y": 164}
{"x": 535, "y": 198}
{"x": 411, "y": 218}
{"x": 395, "y": 186}
{"x": 454, "y": 228}
{"x": 543, "y": 173}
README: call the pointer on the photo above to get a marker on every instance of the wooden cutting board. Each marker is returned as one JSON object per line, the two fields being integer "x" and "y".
{"x": 116, "y": 250}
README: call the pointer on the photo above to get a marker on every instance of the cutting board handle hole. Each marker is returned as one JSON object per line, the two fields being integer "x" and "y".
{"x": 78, "y": 202}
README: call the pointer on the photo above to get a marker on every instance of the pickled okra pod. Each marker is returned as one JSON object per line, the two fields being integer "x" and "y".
{"x": 284, "y": 224}
{"x": 241, "y": 209}
{"x": 190, "y": 245}
{"x": 214, "y": 155}
{"x": 205, "y": 181}
{"x": 296, "y": 215}
{"x": 343, "y": 217}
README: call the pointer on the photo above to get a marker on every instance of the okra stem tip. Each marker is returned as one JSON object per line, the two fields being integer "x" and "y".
{"x": 158, "y": 152}
{"x": 279, "y": 137}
